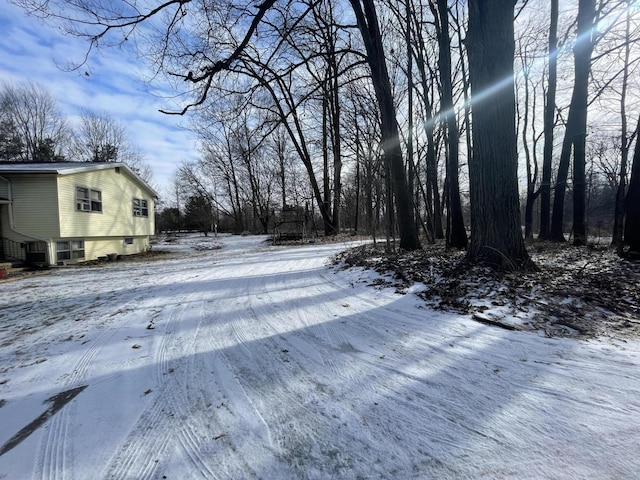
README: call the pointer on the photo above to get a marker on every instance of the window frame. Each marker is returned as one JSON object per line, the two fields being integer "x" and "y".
{"x": 86, "y": 202}
{"x": 140, "y": 207}
{"x": 75, "y": 250}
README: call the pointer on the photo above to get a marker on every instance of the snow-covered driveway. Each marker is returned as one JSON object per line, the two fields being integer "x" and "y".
{"x": 260, "y": 362}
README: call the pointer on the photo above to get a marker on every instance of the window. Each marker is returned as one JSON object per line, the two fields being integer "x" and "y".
{"x": 36, "y": 252}
{"x": 69, "y": 250}
{"x": 140, "y": 207}
{"x": 88, "y": 200}
{"x": 128, "y": 241}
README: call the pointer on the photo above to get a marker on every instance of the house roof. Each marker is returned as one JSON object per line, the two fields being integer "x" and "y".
{"x": 67, "y": 168}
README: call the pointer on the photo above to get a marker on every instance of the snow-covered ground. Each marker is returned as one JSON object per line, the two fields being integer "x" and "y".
{"x": 252, "y": 361}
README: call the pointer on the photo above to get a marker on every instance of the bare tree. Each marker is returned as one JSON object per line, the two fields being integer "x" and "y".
{"x": 632, "y": 203}
{"x": 549, "y": 116}
{"x": 527, "y": 82}
{"x": 530, "y": 157}
{"x": 427, "y": 95}
{"x": 364, "y": 143}
{"x": 576, "y": 132}
{"x": 367, "y": 20}
{"x": 625, "y": 138}
{"x": 186, "y": 48}
{"x": 100, "y": 138}
{"x": 496, "y": 236}
{"x": 457, "y": 236}
{"x": 35, "y": 123}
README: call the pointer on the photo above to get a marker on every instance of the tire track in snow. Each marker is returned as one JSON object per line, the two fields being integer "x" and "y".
{"x": 198, "y": 426}
{"x": 191, "y": 444}
{"x": 54, "y": 455}
{"x": 282, "y": 391}
{"x": 320, "y": 340}
{"x": 177, "y": 416}
{"x": 205, "y": 430}
{"x": 149, "y": 439}
{"x": 318, "y": 345}
{"x": 238, "y": 332}
{"x": 245, "y": 389}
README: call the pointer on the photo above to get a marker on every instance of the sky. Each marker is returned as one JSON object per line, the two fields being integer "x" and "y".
{"x": 31, "y": 51}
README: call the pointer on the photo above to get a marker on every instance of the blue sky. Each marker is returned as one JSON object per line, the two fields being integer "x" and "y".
{"x": 33, "y": 51}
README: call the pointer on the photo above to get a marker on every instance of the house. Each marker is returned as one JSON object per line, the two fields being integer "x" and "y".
{"x": 59, "y": 213}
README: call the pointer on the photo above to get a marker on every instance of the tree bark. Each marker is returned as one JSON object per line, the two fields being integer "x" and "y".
{"x": 582, "y": 53}
{"x": 329, "y": 229}
{"x": 457, "y": 235}
{"x": 556, "y": 233}
{"x": 530, "y": 158}
{"x": 369, "y": 27}
{"x": 410, "y": 88}
{"x": 549, "y": 114}
{"x": 632, "y": 203}
{"x": 496, "y": 235}
{"x": 576, "y": 133}
{"x": 433, "y": 192}
{"x": 625, "y": 143}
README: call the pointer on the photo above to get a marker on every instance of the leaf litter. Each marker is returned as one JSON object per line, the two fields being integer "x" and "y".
{"x": 578, "y": 291}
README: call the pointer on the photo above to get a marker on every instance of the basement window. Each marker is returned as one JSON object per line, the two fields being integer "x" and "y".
{"x": 69, "y": 250}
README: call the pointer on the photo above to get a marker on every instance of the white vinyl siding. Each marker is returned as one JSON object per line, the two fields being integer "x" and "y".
{"x": 101, "y": 247}
{"x": 116, "y": 218}
{"x": 35, "y": 206}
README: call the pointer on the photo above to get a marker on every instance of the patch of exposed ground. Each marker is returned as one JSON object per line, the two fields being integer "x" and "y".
{"x": 579, "y": 291}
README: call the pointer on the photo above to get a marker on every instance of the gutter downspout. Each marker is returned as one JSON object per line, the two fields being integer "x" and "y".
{"x": 14, "y": 230}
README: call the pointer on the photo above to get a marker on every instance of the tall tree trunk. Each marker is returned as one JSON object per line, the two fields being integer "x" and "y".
{"x": 282, "y": 172}
{"x": 549, "y": 115}
{"x": 335, "y": 113}
{"x": 369, "y": 27}
{"x": 576, "y": 132}
{"x": 329, "y": 229}
{"x": 410, "y": 88}
{"x": 496, "y": 235}
{"x": 624, "y": 142}
{"x": 457, "y": 236}
{"x": 582, "y": 53}
{"x": 433, "y": 192}
{"x": 465, "y": 83}
{"x": 356, "y": 219}
{"x": 632, "y": 202}
{"x": 556, "y": 233}
{"x": 529, "y": 127}
{"x": 532, "y": 170}
{"x": 371, "y": 187}
{"x": 337, "y": 156}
